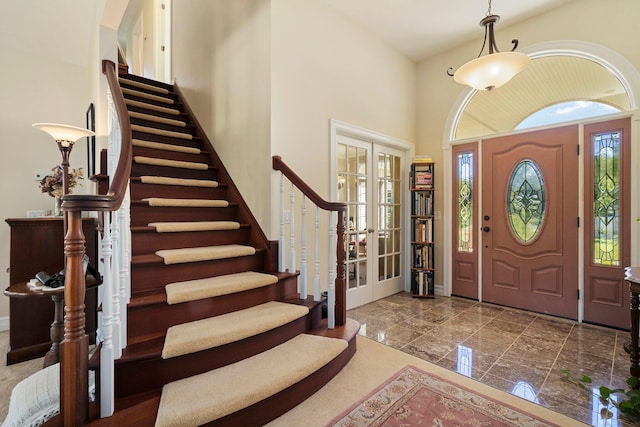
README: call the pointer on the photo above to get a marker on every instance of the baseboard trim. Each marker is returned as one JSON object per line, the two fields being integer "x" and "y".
{"x": 4, "y": 323}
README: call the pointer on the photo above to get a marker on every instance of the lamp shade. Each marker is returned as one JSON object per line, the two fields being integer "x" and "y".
{"x": 491, "y": 71}
{"x": 64, "y": 134}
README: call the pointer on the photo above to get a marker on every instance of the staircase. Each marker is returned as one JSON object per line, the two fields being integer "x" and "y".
{"x": 215, "y": 335}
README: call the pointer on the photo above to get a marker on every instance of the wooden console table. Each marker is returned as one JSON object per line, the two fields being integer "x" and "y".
{"x": 632, "y": 276}
{"x": 37, "y": 244}
{"x": 56, "y": 331}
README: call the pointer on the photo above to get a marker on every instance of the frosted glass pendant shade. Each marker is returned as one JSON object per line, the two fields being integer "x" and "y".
{"x": 491, "y": 71}
{"x": 64, "y": 134}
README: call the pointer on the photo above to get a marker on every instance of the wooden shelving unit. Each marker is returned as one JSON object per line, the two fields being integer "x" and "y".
{"x": 422, "y": 218}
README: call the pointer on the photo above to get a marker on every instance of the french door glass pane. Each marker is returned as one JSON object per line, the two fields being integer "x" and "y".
{"x": 389, "y": 216}
{"x": 352, "y": 189}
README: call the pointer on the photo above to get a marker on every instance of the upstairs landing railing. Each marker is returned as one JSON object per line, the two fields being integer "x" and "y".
{"x": 336, "y": 290}
{"x": 74, "y": 348}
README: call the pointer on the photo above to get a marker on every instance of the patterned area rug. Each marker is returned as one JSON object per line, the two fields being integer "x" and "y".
{"x": 415, "y": 398}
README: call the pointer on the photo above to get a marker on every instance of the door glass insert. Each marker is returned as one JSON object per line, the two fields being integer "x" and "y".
{"x": 352, "y": 189}
{"x": 606, "y": 198}
{"x": 526, "y": 201}
{"x": 465, "y": 202}
{"x": 389, "y": 216}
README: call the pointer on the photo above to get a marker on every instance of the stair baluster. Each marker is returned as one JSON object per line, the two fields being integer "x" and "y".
{"x": 303, "y": 248}
{"x": 336, "y": 293}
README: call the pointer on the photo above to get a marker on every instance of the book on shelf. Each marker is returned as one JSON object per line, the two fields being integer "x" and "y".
{"x": 422, "y": 159}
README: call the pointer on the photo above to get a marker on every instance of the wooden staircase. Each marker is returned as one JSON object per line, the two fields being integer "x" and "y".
{"x": 173, "y": 165}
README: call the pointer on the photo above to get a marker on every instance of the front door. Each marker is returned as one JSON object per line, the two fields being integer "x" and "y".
{"x": 370, "y": 182}
{"x": 530, "y": 221}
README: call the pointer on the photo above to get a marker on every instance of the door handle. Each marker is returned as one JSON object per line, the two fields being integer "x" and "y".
{"x": 486, "y": 229}
{"x": 370, "y": 230}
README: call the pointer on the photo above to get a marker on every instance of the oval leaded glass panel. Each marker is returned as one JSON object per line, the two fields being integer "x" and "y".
{"x": 526, "y": 201}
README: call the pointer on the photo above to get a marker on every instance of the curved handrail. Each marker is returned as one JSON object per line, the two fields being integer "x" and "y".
{"x": 112, "y": 200}
{"x": 279, "y": 165}
{"x": 74, "y": 349}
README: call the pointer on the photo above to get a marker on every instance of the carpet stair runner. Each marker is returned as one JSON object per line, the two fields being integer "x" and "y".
{"x": 212, "y": 336}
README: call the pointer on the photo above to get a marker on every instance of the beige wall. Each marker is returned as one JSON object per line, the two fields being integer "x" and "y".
{"x": 609, "y": 24}
{"x": 326, "y": 67}
{"x": 35, "y": 89}
{"x": 221, "y": 60}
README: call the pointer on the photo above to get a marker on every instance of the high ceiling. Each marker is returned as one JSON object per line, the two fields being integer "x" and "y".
{"x": 423, "y": 28}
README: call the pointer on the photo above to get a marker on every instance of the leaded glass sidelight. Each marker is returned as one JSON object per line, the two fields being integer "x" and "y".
{"x": 526, "y": 201}
{"x": 606, "y": 198}
{"x": 465, "y": 202}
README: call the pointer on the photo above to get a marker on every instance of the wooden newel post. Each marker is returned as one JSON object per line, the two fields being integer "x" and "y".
{"x": 74, "y": 349}
{"x": 341, "y": 292}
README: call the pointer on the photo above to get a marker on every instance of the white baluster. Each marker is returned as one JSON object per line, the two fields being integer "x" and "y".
{"x": 292, "y": 231}
{"x": 281, "y": 236}
{"x": 115, "y": 269}
{"x": 122, "y": 272}
{"x": 316, "y": 272}
{"x": 303, "y": 249}
{"x": 107, "y": 395}
{"x": 331, "y": 291}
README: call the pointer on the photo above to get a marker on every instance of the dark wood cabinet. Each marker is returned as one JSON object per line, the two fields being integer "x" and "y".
{"x": 37, "y": 244}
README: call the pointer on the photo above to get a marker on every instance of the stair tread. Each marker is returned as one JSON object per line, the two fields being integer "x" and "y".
{"x": 217, "y": 331}
{"x": 161, "y": 132}
{"x": 157, "y": 119}
{"x": 204, "y": 253}
{"x": 198, "y": 400}
{"x": 164, "y": 146}
{"x": 152, "y": 107}
{"x": 157, "y": 98}
{"x": 141, "y": 85}
{"x": 153, "y": 229}
{"x": 210, "y": 287}
{"x": 156, "y": 161}
{"x": 184, "y": 182}
{"x": 186, "y": 203}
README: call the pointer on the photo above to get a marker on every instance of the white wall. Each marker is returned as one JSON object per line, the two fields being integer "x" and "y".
{"x": 610, "y": 24}
{"x": 221, "y": 60}
{"x": 35, "y": 89}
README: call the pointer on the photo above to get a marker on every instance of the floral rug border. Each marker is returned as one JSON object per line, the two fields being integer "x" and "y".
{"x": 391, "y": 397}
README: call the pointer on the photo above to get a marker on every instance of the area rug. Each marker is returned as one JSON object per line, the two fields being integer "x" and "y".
{"x": 413, "y": 397}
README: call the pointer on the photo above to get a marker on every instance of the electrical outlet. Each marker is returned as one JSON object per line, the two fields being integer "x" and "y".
{"x": 287, "y": 217}
{"x": 38, "y": 176}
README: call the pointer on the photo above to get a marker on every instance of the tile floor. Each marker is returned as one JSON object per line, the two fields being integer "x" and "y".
{"x": 513, "y": 350}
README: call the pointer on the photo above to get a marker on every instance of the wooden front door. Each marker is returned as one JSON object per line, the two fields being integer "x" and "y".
{"x": 530, "y": 221}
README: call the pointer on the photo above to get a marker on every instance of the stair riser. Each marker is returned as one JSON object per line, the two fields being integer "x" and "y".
{"x": 171, "y": 96}
{"x": 143, "y": 215}
{"x": 160, "y": 125}
{"x": 151, "y": 277}
{"x": 171, "y": 155}
{"x": 150, "y": 319}
{"x": 195, "y": 142}
{"x": 154, "y": 373}
{"x": 140, "y": 191}
{"x": 150, "y": 242}
{"x": 183, "y": 117}
{"x": 150, "y": 82}
{"x": 175, "y": 104}
{"x": 139, "y": 169}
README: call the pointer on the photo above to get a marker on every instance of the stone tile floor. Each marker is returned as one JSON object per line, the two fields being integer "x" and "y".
{"x": 513, "y": 350}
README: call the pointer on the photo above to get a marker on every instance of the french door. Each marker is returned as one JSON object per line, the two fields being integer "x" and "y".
{"x": 370, "y": 181}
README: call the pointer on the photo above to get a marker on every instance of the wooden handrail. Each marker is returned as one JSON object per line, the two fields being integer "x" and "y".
{"x": 74, "y": 348}
{"x": 120, "y": 179}
{"x": 340, "y": 208}
{"x": 279, "y": 165}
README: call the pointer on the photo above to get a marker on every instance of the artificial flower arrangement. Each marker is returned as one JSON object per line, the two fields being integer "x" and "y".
{"x": 52, "y": 183}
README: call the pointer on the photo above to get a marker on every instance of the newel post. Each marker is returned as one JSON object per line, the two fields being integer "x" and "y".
{"x": 74, "y": 348}
{"x": 341, "y": 291}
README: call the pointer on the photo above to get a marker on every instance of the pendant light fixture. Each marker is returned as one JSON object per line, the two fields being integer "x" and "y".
{"x": 494, "y": 69}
